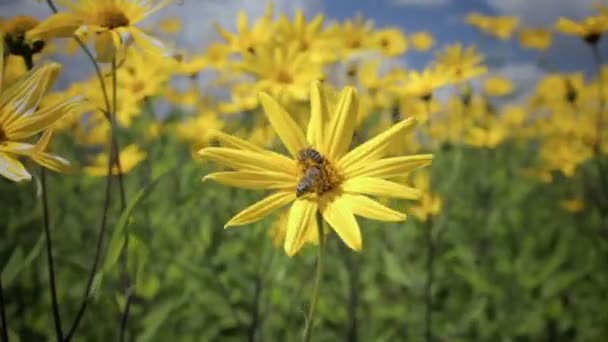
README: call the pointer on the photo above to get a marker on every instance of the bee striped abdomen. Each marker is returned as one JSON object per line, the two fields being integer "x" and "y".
{"x": 308, "y": 182}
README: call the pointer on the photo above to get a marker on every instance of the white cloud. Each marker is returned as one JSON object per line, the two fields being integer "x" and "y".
{"x": 542, "y": 12}
{"x": 420, "y": 3}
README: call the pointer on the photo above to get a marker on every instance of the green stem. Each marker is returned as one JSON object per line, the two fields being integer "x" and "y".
{"x": 315, "y": 293}
{"x": 428, "y": 294}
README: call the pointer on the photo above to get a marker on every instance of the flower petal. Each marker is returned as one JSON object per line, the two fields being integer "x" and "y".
{"x": 22, "y": 97}
{"x": 249, "y": 160}
{"x": 261, "y": 208}
{"x": 366, "y": 207}
{"x": 392, "y": 167}
{"x": 379, "y": 187}
{"x": 339, "y": 215}
{"x": 149, "y": 44}
{"x": 342, "y": 125}
{"x": 12, "y": 168}
{"x": 374, "y": 148}
{"x": 318, "y": 116}
{"x": 26, "y": 126}
{"x": 286, "y": 128}
{"x": 231, "y": 141}
{"x": 62, "y": 24}
{"x": 301, "y": 215}
{"x": 254, "y": 179}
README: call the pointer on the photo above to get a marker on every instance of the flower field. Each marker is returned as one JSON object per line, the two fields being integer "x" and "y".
{"x": 298, "y": 177}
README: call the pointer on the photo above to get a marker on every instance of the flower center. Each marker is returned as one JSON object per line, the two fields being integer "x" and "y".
{"x": 284, "y": 77}
{"x": 138, "y": 86}
{"x": 14, "y": 38}
{"x": 317, "y": 174}
{"x": 19, "y": 25}
{"x": 113, "y": 18}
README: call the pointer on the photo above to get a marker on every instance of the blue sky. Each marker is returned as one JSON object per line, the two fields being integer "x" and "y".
{"x": 445, "y": 18}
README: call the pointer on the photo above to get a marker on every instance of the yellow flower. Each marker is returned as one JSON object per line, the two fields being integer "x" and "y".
{"x": 111, "y": 24}
{"x": 422, "y": 41}
{"x": 129, "y": 156}
{"x": 321, "y": 175}
{"x": 423, "y": 84}
{"x": 246, "y": 40}
{"x": 21, "y": 119}
{"x": 17, "y": 43}
{"x": 498, "y": 26}
{"x": 199, "y": 129}
{"x": 309, "y": 37}
{"x": 215, "y": 57}
{"x": 498, "y": 86}
{"x": 142, "y": 75}
{"x": 390, "y": 41}
{"x": 280, "y": 69}
{"x": 353, "y": 36}
{"x": 461, "y": 63}
{"x": 589, "y": 29}
{"x": 170, "y": 25}
{"x": 535, "y": 38}
{"x": 430, "y": 203}
{"x": 573, "y": 205}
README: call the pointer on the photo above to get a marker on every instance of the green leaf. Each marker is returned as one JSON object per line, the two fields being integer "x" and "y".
{"x": 117, "y": 240}
{"x": 13, "y": 266}
{"x": 17, "y": 261}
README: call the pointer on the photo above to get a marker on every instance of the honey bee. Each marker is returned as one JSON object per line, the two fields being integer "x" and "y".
{"x": 311, "y": 154}
{"x": 309, "y": 181}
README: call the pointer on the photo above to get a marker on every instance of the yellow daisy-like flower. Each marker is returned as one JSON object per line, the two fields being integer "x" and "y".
{"x": 390, "y": 41}
{"x": 498, "y": 86}
{"x": 461, "y": 63}
{"x": 321, "y": 175}
{"x": 589, "y": 29}
{"x": 535, "y": 38}
{"x": 498, "y": 26}
{"x": 129, "y": 157}
{"x": 422, "y": 41}
{"x": 20, "y": 120}
{"x": 111, "y": 24}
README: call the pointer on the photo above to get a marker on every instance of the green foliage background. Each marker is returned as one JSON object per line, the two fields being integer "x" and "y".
{"x": 509, "y": 264}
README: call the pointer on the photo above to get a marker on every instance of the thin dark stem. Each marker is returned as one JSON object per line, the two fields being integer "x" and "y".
{"x": 318, "y": 277}
{"x": 123, "y": 205}
{"x": 3, "y": 315}
{"x": 49, "y": 254}
{"x": 600, "y": 90}
{"x": 255, "y": 309}
{"x": 428, "y": 297}
{"x": 29, "y": 63}
{"x": 96, "y": 258}
{"x": 125, "y": 317}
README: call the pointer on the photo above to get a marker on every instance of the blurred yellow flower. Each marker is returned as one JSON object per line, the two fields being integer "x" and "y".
{"x": 16, "y": 30}
{"x": 170, "y": 25}
{"x": 573, "y": 205}
{"x": 430, "y": 203}
{"x": 248, "y": 39}
{"x": 199, "y": 129}
{"x": 308, "y": 37}
{"x": 321, "y": 175}
{"x": 111, "y": 24}
{"x": 422, "y": 41}
{"x": 390, "y": 41}
{"x": 129, "y": 157}
{"x": 501, "y": 27}
{"x": 281, "y": 70}
{"x": 535, "y": 38}
{"x": 423, "y": 84}
{"x": 590, "y": 29}
{"x": 461, "y": 63}
{"x": 498, "y": 86}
